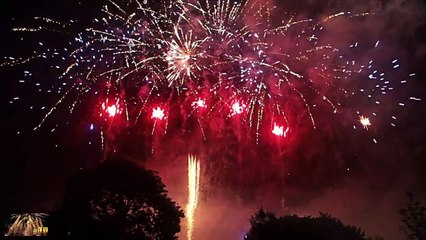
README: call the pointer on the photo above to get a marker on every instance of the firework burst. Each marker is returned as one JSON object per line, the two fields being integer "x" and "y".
{"x": 365, "y": 122}
{"x": 227, "y": 55}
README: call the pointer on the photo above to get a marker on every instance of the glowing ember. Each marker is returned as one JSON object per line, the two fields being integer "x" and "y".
{"x": 237, "y": 108}
{"x": 111, "y": 110}
{"x": 158, "y": 113}
{"x": 193, "y": 189}
{"x": 200, "y": 103}
{"x": 279, "y": 130}
{"x": 365, "y": 121}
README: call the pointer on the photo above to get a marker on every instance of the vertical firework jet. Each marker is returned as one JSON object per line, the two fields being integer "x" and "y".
{"x": 193, "y": 189}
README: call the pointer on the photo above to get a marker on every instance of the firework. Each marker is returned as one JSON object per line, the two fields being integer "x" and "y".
{"x": 279, "y": 130}
{"x": 111, "y": 110}
{"x": 237, "y": 108}
{"x": 365, "y": 122}
{"x": 200, "y": 103}
{"x": 193, "y": 191}
{"x": 228, "y": 52}
{"x": 157, "y": 113}
{"x": 182, "y": 56}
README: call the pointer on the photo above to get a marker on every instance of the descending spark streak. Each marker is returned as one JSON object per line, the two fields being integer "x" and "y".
{"x": 193, "y": 189}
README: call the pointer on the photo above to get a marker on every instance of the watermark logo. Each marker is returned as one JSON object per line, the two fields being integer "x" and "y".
{"x": 27, "y": 224}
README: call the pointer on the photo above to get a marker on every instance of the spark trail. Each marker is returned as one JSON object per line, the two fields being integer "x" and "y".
{"x": 193, "y": 191}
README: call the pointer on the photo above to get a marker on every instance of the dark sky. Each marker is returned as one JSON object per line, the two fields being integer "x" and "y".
{"x": 36, "y": 164}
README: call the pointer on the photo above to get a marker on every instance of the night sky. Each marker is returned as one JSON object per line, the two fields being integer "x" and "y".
{"x": 329, "y": 169}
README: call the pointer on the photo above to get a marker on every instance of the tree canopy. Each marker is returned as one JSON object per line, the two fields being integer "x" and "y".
{"x": 118, "y": 200}
{"x": 266, "y": 226}
{"x": 413, "y": 216}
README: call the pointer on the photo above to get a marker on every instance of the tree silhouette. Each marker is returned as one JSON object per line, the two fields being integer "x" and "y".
{"x": 117, "y": 200}
{"x": 414, "y": 219}
{"x": 266, "y": 226}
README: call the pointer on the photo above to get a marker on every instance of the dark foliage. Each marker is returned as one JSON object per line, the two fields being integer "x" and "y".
{"x": 266, "y": 226}
{"x": 117, "y": 200}
{"x": 414, "y": 219}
